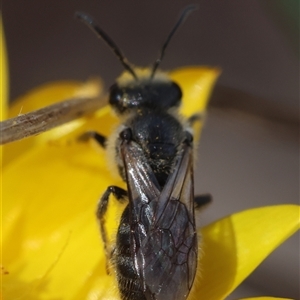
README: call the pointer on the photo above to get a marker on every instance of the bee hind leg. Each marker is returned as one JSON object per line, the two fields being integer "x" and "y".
{"x": 201, "y": 201}
{"x": 99, "y": 138}
{"x": 121, "y": 196}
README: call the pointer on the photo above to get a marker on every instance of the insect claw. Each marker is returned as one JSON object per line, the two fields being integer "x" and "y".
{"x": 88, "y": 135}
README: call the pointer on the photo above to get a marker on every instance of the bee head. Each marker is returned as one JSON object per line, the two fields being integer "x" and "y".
{"x": 159, "y": 92}
{"x": 146, "y": 88}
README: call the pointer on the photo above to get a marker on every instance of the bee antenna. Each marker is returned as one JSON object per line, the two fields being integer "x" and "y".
{"x": 89, "y": 21}
{"x": 182, "y": 18}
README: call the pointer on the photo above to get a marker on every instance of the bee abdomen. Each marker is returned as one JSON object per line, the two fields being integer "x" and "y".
{"x": 128, "y": 280}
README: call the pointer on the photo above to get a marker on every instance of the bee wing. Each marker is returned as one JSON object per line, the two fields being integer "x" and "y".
{"x": 163, "y": 234}
{"x": 142, "y": 184}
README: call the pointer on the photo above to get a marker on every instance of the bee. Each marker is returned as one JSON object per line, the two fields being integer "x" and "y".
{"x": 156, "y": 251}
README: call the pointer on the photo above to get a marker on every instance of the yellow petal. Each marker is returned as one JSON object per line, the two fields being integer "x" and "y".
{"x": 234, "y": 246}
{"x": 51, "y": 242}
{"x": 50, "y": 199}
{"x": 50, "y": 93}
{"x": 3, "y": 75}
{"x": 196, "y": 84}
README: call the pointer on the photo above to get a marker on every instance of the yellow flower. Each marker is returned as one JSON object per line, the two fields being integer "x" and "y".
{"x": 51, "y": 246}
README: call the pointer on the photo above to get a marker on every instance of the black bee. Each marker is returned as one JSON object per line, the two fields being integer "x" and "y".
{"x": 156, "y": 251}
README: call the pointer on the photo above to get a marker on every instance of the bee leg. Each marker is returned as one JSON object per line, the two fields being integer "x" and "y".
{"x": 195, "y": 118}
{"x": 202, "y": 201}
{"x": 120, "y": 195}
{"x": 99, "y": 138}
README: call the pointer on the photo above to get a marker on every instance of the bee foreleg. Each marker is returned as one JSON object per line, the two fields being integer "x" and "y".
{"x": 202, "y": 201}
{"x": 99, "y": 138}
{"x": 120, "y": 195}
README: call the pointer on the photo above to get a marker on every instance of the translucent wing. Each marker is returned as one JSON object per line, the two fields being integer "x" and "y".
{"x": 163, "y": 235}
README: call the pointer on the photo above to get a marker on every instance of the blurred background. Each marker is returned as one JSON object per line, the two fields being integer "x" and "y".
{"x": 249, "y": 155}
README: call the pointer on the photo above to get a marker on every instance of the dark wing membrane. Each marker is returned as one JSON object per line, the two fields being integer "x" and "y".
{"x": 164, "y": 240}
{"x": 142, "y": 184}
